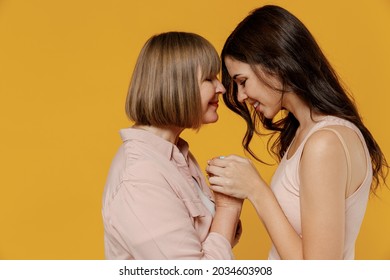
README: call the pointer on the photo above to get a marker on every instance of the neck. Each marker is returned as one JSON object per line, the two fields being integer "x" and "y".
{"x": 170, "y": 134}
{"x": 301, "y": 111}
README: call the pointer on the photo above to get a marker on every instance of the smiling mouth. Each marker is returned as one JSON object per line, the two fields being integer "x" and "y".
{"x": 256, "y": 104}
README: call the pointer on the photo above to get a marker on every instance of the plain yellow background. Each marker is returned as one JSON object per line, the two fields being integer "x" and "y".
{"x": 64, "y": 72}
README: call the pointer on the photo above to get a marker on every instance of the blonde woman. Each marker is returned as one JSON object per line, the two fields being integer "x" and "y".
{"x": 156, "y": 203}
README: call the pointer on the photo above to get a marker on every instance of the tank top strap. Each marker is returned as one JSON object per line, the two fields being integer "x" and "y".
{"x": 347, "y": 156}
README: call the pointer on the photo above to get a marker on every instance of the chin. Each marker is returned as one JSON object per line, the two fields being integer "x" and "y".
{"x": 210, "y": 119}
{"x": 269, "y": 115}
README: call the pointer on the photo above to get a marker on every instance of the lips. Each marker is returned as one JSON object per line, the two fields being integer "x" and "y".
{"x": 215, "y": 103}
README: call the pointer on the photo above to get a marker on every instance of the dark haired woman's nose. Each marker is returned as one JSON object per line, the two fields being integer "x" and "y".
{"x": 241, "y": 96}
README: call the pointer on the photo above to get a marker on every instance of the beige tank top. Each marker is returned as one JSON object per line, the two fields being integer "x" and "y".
{"x": 285, "y": 185}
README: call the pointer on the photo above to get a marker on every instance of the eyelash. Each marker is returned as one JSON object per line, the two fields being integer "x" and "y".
{"x": 242, "y": 83}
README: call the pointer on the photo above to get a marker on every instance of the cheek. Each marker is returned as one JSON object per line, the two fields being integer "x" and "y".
{"x": 205, "y": 102}
{"x": 256, "y": 91}
{"x": 204, "y": 92}
{"x": 206, "y": 96}
{"x": 271, "y": 98}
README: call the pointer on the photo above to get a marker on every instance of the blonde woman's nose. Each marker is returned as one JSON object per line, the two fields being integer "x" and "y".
{"x": 220, "y": 88}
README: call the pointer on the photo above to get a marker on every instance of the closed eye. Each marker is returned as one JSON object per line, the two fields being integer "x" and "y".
{"x": 210, "y": 78}
{"x": 242, "y": 83}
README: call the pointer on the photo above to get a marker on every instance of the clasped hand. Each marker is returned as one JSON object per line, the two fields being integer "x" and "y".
{"x": 233, "y": 176}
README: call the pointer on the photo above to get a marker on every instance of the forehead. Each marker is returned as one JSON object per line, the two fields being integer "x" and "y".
{"x": 237, "y": 68}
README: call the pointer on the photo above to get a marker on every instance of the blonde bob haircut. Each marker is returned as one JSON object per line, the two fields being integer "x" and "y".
{"x": 164, "y": 88}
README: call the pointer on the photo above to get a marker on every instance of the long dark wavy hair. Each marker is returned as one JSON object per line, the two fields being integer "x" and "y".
{"x": 278, "y": 42}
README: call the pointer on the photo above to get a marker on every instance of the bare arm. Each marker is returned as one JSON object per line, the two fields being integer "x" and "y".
{"x": 323, "y": 175}
{"x": 227, "y": 216}
{"x": 236, "y": 176}
{"x": 323, "y": 180}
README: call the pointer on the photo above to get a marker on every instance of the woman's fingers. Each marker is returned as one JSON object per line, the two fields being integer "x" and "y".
{"x": 222, "y": 171}
{"x": 220, "y": 162}
{"x": 227, "y": 173}
{"x": 218, "y": 181}
{"x": 226, "y": 188}
{"x": 231, "y": 175}
{"x": 224, "y": 161}
{"x": 214, "y": 170}
{"x": 218, "y": 189}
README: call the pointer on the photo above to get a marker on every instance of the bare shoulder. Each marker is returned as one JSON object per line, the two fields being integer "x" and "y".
{"x": 324, "y": 143}
{"x": 323, "y": 167}
{"x": 323, "y": 157}
{"x": 334, "y": 139}
{"x": 334, "y": 152}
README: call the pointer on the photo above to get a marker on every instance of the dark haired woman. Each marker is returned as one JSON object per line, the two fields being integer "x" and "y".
{"x": 329, "y": 160}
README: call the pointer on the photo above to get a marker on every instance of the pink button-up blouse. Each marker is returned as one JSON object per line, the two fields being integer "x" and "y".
{"x": 151, "y": 207}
